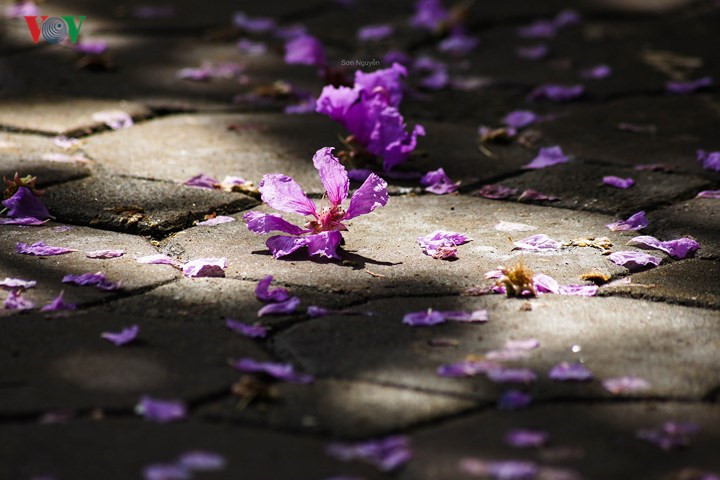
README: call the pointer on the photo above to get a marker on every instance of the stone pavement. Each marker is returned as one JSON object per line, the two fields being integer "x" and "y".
{"x": 68, "y": 397}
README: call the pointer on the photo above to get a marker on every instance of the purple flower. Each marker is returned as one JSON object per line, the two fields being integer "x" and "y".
{"x": 557, "y": 93}
{"x": 97, "y": 280}
{"x": 429, "y": 14}
{"x": 514, "y": 400}
{"x": 263, "y": 292}
{"x": 163, "y": 471}
{"x": 671, "y": 435}
{"x": 538, "y": 243}
{"x": 205, "y": 267}
{"x": 683, "y": 88}
{"x": 618, "y": 182}
{"x": 16, "y": 301}
{"x": 372, "y": 33}
{"x": 526, "y": 438}
{"x": 58, "y": 304}
{"x": 709, "y": 194}
{"x": 437, "y": 182}
{"x": 40, "y": 249}
{"x": 496, "y": 192}
{"x": 547, "y": 157}
{"x": 124, "y": 336}
{"x": 466, "y": 368}
{"x": 433, "y": 317}
{"x": 115, "y": 119}
{"x": 530, "y": 195}
{"x": 305, "y": 50}
{"x": 103, "y": 254}
{"x": 511, "y": 375}
{"x": 202, "y": 181}
{"x": 323, "y": 230}
{"x": 201, "y": 461}
{"x": 442, "y": 244}
{"x": 620, "y": 385}
{"x": 458, "y": 43}
{"x": 710, "y": 160}
{"x": 636, "y": 221}
{"x": 253, "y": 25}
{"x": 519, "y": 118}
{"x": 16, "y": 284}
{"x": 217, "y": 220}
{"x": 533, "y": 52}
{"x": 386, "y": 454}
{"x": 678, "y": 248}
{"x": 633, "y": 260}
{"x": 280, "y": 308}
{"x": 280, "y": 371}
{"x": 251, "y": 331}
{"x": 576, "y": 372}
{"x": 25, "y": 204}
{"x": 597, "y": 72}
{"x": 161, "y": 411}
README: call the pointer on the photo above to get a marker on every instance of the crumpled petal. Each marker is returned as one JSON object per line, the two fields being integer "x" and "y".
{"x": 547, "y": 157}
{"x": 25, "y": 204}
{"x": 16, "y": 283}
{"x": 496, "y": 192}
{"x": 522, "y": 438}
{"x": 579, "y": 290}
{"x": 618, "y": 182}
{"x": 678, "y": 248}
{"x": 202, "y": 181}
{"x": 217, "y": 220}
{"x": 40, "y": 249}
{"x": 324, "y": 244}
{"x": 280, "y": 308}
{"x": 538, "y": 243}
{"x": 437, "y": 182}
{"x": 16, "y": 301}
{"x": 709, "y": 160}
{"x": 442, "y": 243}
{"x": 251, "y": 331}
{"x": 22, "y": 221}
{"x": 530, "y": 195}
{"x": 371, "y": 194}
{"x": 103, "y": 254}
{"x": 433, "y": 317}
{"x": 386, "y": 454}
{"x": 96, "y": 279}
{"x": 565, "y": 371}
{"x": 124, "y": 336}
{"x": 387, "y": 80}
{"x": 205, "y": 267}
{"x": 332, "y": 175}
{"x": 161, "y": 411}
{"x": 280, "y": 371}
{"x": 283, "y": 193}
{"x": 158, "y": 259}
{"x": 636, "y": 221}
{"x": 269, "y": 222}
{"x": 621, "y": 385}
{"x": 263, "y": 292}
{"x": 633, "y": 260}
{"x": 709, "y": 194}
{"x": 280, "y": 245}
{"x": 335, "y": 102}
{"x": 58, "y": 304}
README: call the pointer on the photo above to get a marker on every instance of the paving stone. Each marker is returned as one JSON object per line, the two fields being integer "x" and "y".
{"x": 698, "y": 218}
{"x": 678, "y": 359}
{"x": 578, "y": 185}
{"x": 343, "y": 408}
{"x": 25, "y": 154}
{"x": 384, "y": 243}
{"x": 49, "y": 271}
{"x": 597, "y": 441}
{"x": 76, "y": 369}
{"x": 250, "y": 453}
{"x": 691, "y": 282}
{"x": 135, "y": 205}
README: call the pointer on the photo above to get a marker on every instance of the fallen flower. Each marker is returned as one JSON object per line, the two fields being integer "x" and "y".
{"x": 547, "y": 157}
{"x": 514, "y": 400}
{"x": 58, "y": 304}
{"x": 251, "y": 331}
{"x": 442, "y": 244}
{"x": 633, "y": 260}
{"x": 670, "y": 436}
{"x": 28, "y": 221}
{"x": 538, "y": 243}
{"x": 97, "y": 279}
{"x": 40, "y": 249}
{"x": 263, "y": 292}
{"x": 678, "y": 248}
{"x": 709, "y": 194}
{"x": 217, "y": 220}
{"x": 618, "y": 182}
{"x": 23, "y": 204}
{"x": 710, "y": 160}
{"x": 205, "y": 267}
{"x": 279, "y": 371}
{"x": 161, "y": 411}
{"x": 16, "y": 301}
{"x": 521, "y": 438}
{"x": 202, "y": 181}
{"x": 124, "y": 336}
{"x": 621, "y": 385}
{"x": 115, "y": 119}
{"x": 437, "y": 182}
{"x": 103, "y": 254}
{"x": 557, "y": 93}
{"x": 576, "y": 372}
{"x": 636, "y": 221}
{"x": 433, "y": 317}
{"x": 683, "y": 88}
{"x": 321, "y": 234}
{"x": 16, "y": 284}
{"x": 386, "y": 454}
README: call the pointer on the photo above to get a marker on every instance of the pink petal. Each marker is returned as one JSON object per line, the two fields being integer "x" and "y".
{"x": 16, "y": 301}
{"x": 521, "y": 438}
{"x": 16, "y": 283}
{"x": 538, "y": 243}
{"x": 202, "y": 181}
{"x": 618, "y": 182}
{"x": 442, "y": 244}
{"x": 324, "y": 244}
{"x": 496, "y": 192}
{"x": 636, "y": 221}
{"x": 205, "y": 267}
{"x": 218, "y": 220}
{"x": 709, "y": 194}
{"x": 633, "y": 260}
{"x": 565, "y": 371}
{"x": 678, "y": 248}
{"x": 283, "y": 193}
{"x": 265, "y": 223}
{"x": 371, "y": 194}
{"x": 280, "y": 371}
{"x": 124, "y": 336}
{"x": 281, "y": 245}
{"x": 332, "y": 174}
{"x": 251, "y": 331}
{"x": 280, "y": 308}
{"x": 105, "y": 254}
{"x": 621, "y": 385}
{"x": 161, "y": 411}
{"x": 547, "y": 157}
{"x": 40, "y": 249}
{"x": 58, "y": 304}
{"x": 511, "y": 375}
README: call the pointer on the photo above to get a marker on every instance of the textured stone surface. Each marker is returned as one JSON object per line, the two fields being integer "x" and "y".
{"x": 383, "y": 349}
{"x": 698, "y": 218}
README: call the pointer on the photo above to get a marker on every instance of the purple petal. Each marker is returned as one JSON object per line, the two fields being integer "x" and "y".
{"x": 538, "y": 243}
{"x": 250, "y": 47}
{"x": 161, "y": 411}
{"x": 217, "y": 220}
{"x": 58, "y": 304}
{"x": 202, "y": 181}
{"x": 576, "y": 372}
{"x": 332, "y": 174}
{"x": 92, "y": 47}
{"x": 473, "y": 316}
{"x": 359, "y": 174}
{"x": 496, "y": 192}
{"x": 280, "y": 371}
{"x": 597, "y": 72}
{"x": 22, "y": 221}
{"x": 283, "y": 193}
{"x": 265, "y": 223}
{"x": 158, "y": 259}
{"x": 533, "y": 52}
{"x": 709, "y": 194}
{"x": 21, "y": 9}
{"x": 437, "y": 182}
{"x": 371, "y": 195}
{"x": 97, "y": 280}
{"x": 253, "y": 25}
{"x": 511, "y": 375}
{"x": 280, "y": 245}
{"x": 205, "y": 267}
{"x": 688, "y": 87}
{"x": 579, "y": 290}
{"x": 424, "y": 318}
{"x": 557, "y": 93}
{"x": 429, "y": 14}
{"x": 710, "y": 160}
{"x": 388, "y": 81}
{"x": 636, "y": 221}
{"x": 115, "y": 119}
{"x": 618, "y": 182}
{"x": 162, "y": 471}
{"x": 201, "y": 461}
{"x": 530, "y": 195}
{"x": 335, "y": 102}
{"x": 547, "y": 157}
{"x": 670, "y": 436}
{"x": 372, "y": 33}
{"x": 25, "y": 204}
{"x": 621, "y": 385}
{"x": 678, "y": 248}
{"x": 458, "y": 43}
{"x": 519, "y": 118}
{"x": 40, "y": 249}
{"x": 466, "y": 368}
{"x": 324, "y": 244}
{"x": 16, "y": 283}
{"x": 263, "y": 292}
{"x": 126, "y": 335}
{"x": 545, "y": 283}
{"x": 521, "y": 438}
{"x": 105, "y": 254}
{"x": 442, "y": 244}
{"x": 280, "y": 308}
{"x": 251, "y": 331}
{"x": 514, "y": 400}
{"x": 386, "y": 454}
{"x": 305, "y": 50}
{"x": 16, "y": 301}
{"x": 633, "y": 260}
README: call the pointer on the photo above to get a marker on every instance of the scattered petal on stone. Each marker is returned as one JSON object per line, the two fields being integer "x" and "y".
{"x": 579, "y": 290}
{"x": 166, "y": 471}
{"x": 438, "y": 182}
{"x": 522, "y": 438}
{"x": 217, "y": 220}
{"x": 386, "y": 454}
{"x": 157, "y": 259}
{"x": 442, "y": 244}
{"x": 709, "y": 160}
{"x": 280, "y": 371}
{"x": 576, "y": 372}
{"x": 597, "y": 72}
{"x": 161, "y": 411}
{"x": 115, "y": 119}
{"x": 533, "y": 52}
{"x": 58, "y": 304}
{"x": 25, "y": 204}
{"x": 538, "y": 243}
{"x": 633, "y": 260}
{"x": 530, "y": 195}
{"x": 466, "y": 368}
{"x": 688, "y": 87}
{"x": 511, "y": 375}
{"x": 547, "y": 157}
{"x": 27, "y": 221}
{"x": 618, "y": 182}
{"x": 678, "y": 248}
{"x": 709, "y": 194}
{"x": 251, "y": 331}
{"x": 520, "y": 118}
{"x": 201, "y": 461}
{"x": 205, "y": 267}
{"x": 263, "y": 292}
{"x": 124, "y": 336}
{"x": 670, "y": 436}
{"x": 105, "y": 254}
{"x": 16, "y": 301}
{"x": 424, "y": 318}
{"x": 40, "y": 249}
{"x": 467, "y": 316}
{"x": 557, "y": 93}
{"x": 280, "y": 308}
{"x": 371, "y": 33}
{"x": 16, "y": 283}
{"x": 496, "y": 192}
{"x": 514, "y": 400}
{"x": 97, "y": 280}
{"x": 636, "y": 221}
{"x": 525, "y": 344}
{"x": 620, "y": 385}
{"x": 202, "y": 181}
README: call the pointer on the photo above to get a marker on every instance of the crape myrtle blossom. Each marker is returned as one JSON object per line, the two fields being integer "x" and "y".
{"x": 124, "y": 336}
{"x": 369, "y": 110}
{"x": 633, "y": 260}
{"x": 321, "y": 234}
{"x": 709, "y": 194}
{"x": 442, "y": 244}
{"x": 636, "y": 221}
{"x": 678, "y": 248}
{"x": 16, "y": 301}
{"x": 548, "y": 157}
{"x": 161, "y": 411}
{"x": 279, "y": 301}
{"x": 58, "y": 304}
{"x": 25, "y": 204}
{"x": 40, "y": 249}
{"x": 709, "y": 160}
{"x": 437, "y": 182}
